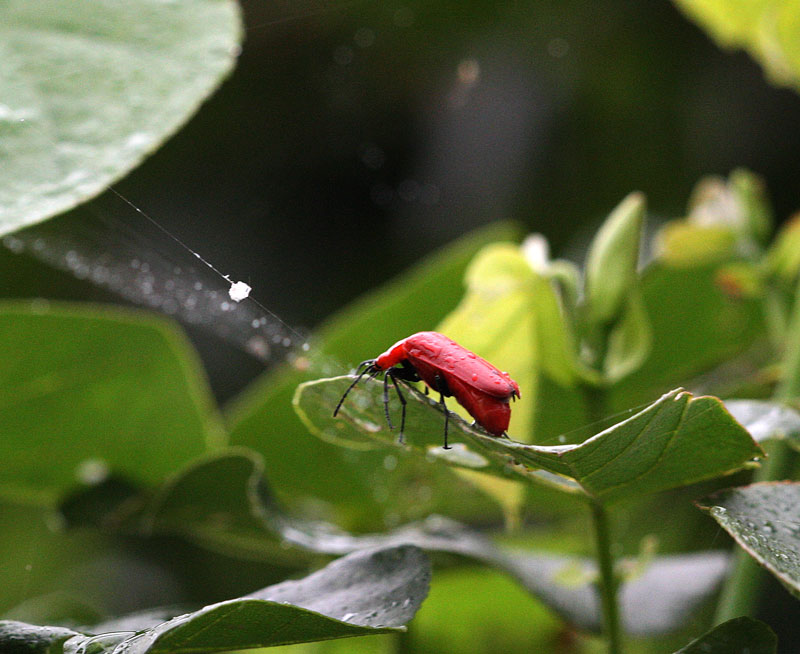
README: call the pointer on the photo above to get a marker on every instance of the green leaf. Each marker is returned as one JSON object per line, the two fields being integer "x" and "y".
{"x": 612, "y": 260}
{"x": 783, "y": 257}
{"x": 94, "y": 391}
{"x": 695, "y": 325}
{"x": 223, "y": 502}
{"x": 756, "y": 212}
{"x": 88, "y": 94}
{"x": 764, "y": 519}
{"x": 629, "y": 341}
{"x": 681, "y": 243}
{"x": 367, "y": 592}
{"x": 726, "y": 218}
{"x": 354, "y": 487}
{"x": 676, "y": 441}
{"x": 768, "y": 29}
{"x": 766, "y": 419}
{"x": 737, "y": 636}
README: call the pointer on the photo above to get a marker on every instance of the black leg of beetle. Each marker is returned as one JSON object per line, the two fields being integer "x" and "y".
{"x": 386, "y": 376}
{"x": 401, "y": 438}
{"x": 406, "y": 372}
{"x": 446, "y": 419}
{"x": 358, "y": 379}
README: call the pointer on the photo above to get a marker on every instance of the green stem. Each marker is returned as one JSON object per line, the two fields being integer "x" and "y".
{"x": 595, "y": 402}
{"x": 741, "y": 591}
{"x": 608, "y": 581}
{"x": 404, "y": 641}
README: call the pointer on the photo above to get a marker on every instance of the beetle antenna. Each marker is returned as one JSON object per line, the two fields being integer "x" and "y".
{"x": 369, "y": 363}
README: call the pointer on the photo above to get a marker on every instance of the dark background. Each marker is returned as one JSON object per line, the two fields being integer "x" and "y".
{"x": 354, "y": 138}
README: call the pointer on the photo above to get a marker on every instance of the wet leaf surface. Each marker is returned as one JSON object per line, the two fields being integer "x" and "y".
{"x": 88, "y": 95}
{"x": 764, "y": 519}
{"x": 367, "y": 592}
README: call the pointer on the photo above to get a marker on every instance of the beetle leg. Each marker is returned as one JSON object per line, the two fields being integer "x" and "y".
{"x": 407, "y": 372}
{"x": 401, "y": 438}
{"x": 386, "y": 376}
{"x": 446, "y": 419}
{"x": 440, "y": 384}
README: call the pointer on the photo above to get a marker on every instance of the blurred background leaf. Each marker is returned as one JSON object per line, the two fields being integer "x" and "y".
{"x": 86, "y": 392}
{"x": 767, "y": 30}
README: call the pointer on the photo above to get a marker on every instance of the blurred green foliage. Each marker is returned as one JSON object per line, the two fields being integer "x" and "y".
{"x": 398, "y": 129}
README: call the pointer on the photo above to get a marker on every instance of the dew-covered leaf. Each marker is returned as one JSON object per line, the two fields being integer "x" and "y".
{"x": 738, "y": 636}
{"x": 766, "y": 419}
{"x": 367, "y": 592}
{"x": 94, "y": 392}
{"x": 86, "y": 95}
{"x": 676, "y": 441}
{"x": 764, "y": 519}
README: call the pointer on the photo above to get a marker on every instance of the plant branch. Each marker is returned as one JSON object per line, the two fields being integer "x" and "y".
{"x": 595, "y": 402}
{"x": 607, "y": 584}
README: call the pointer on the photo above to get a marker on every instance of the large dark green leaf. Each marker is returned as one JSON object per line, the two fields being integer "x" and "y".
{"x": 764, "y": 519}
{"x": 676, "y": 441}
{"x": 367, "y": 592}
{"x": 695, "y": 326}
{"x": 359, "y": 488}
{"x": 88, "y": 94}
{"x": 91, "y": 390}
{"x": 737, "y": 636}
{"x": 223, "y": 502}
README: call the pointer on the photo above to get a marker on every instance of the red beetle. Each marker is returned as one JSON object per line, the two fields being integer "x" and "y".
{"x": 450, "y": 370}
